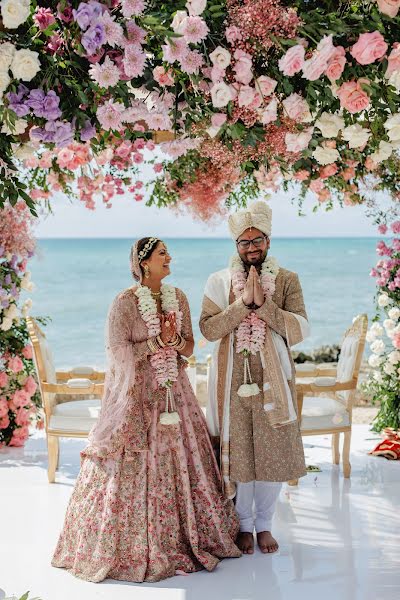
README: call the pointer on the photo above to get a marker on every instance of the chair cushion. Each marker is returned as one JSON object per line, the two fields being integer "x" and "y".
{"x": 323, "y": 413}
{"x": 75, "y": 415}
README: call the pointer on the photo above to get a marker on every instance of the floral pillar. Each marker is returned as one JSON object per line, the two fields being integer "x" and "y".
{"x": 19, "y": 396}
{"x": 384, "y": 339}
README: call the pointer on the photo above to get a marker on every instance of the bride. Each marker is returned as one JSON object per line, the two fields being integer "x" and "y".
{"x": 147, "y": 503}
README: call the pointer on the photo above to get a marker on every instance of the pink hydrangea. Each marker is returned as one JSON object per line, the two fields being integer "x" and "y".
{"x": 4, "y": 422}
{"x": 20, "y": 398}
{"x": 3, "y": 379}
{"x": 19, "y": 437}
{"x": 3, "y": 407}
{"x": 30, "y": 385}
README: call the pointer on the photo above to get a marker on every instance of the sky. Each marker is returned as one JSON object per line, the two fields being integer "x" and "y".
{"x": 130, "y": 219}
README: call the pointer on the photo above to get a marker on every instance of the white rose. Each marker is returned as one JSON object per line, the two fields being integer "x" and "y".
{"x": 370, "y": 337}
{"x": 356, "y": 135}
{"x": 25, "y": 280}
{"x": 14, "y": 12}
{"x": 221, "y": 94}
{"x": 394, "y": 313}
{"x": 179, "y": 17}
{"x": 383, "y": 153}
{"x": 375, "y": 361}
{"x": 11, "y": 312}
{"x": 325, "y": 156}
{"x": 378, "y": 377}
{"x": 329, "y": 124}
{"x": 389, "y": 369}
{"x": 25, "y": 64}
{"x": 196, "y": 7}
{"x": 6, "y": 324}
{"x": 19, "y": 127}
{"x": 7, "y": 51}
{"x": 377, "y": 329}
{"x": 4, "y": 81}
{"x": 393, "y": 127}
{"x": 394, "y": 80}
{"x": 394, "y": 357}
{"x": 220, "y": 57}
{"x": 26, "y": 307}
{"x": 378, "y": 347}
{"x": 23, "y": 151}
{"x": 389, "y": 325}
{"x": 383, "y": 300}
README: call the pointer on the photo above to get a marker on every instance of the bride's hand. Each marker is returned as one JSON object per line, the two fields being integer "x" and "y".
{"x": 168, "y": 328}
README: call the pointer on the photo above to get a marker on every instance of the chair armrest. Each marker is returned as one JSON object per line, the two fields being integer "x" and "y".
{"x": 337, "y": 387}
{"x": 87, "y": 387}
{"x": 86, "y": 372}
{"x": 326, "y": 369}
{"x": 305, "y": 370}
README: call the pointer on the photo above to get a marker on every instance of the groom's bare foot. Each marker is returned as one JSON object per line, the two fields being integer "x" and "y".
{"x": 245, "y": 542}
{"x": 266, "y": 542}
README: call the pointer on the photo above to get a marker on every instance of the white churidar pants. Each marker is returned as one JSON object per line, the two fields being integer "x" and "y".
{"x": 255, "y": 504}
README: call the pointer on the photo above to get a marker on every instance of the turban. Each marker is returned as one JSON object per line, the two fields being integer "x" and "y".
{"x": 258, "y": 215}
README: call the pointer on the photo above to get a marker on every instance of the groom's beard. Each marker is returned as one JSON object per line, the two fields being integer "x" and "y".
{"x": 254, "y": 261}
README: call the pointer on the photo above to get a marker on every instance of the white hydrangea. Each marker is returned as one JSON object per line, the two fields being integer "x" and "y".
{"x": 394, "y": 313}
{"x": 394, "y": 357}
{"x": 375, "y": 361}
{"x": 383, "y": 300}
{"x": 378, "y": 347}
{"x": 378, "y": 377}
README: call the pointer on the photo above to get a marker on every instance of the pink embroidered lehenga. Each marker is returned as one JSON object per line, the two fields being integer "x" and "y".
{"x": 147, "y": 503}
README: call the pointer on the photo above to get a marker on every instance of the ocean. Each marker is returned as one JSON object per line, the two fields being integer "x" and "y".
{"x": 76, "y": 280}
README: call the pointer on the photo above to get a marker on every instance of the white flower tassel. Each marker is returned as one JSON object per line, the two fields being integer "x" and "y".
{"x": 167, "y": 417}
{"x": 248, "y": 389}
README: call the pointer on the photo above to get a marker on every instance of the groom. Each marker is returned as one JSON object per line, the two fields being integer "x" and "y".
{"x": 255, "y": 312}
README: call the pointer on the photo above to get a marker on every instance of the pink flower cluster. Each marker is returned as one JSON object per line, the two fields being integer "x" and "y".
{"x": 15, "y": 230}
{"x": 387, "y": 271}
{"x": 165, "y": 365}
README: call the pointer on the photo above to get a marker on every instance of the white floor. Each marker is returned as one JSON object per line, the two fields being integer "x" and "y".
{"x": 339, "y": 539}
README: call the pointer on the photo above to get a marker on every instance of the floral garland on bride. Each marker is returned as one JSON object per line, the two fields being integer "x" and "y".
{"x": 165, "y": 360}
{"x": 250, "y": 334}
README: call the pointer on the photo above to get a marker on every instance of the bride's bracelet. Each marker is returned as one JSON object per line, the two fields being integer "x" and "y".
{"x": 153, "y": 345}
{"x": 178, "y": 342}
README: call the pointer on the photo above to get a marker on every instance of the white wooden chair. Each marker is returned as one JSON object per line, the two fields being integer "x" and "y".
{"x": 325, "y": 395}
{"x": 66, "y": 413}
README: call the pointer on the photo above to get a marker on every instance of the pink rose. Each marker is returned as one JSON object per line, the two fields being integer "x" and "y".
{"x": 218, "y": 119}
{"x": 316, "y": 186}
{"x": 318, "y": 63}
{"x": 328, "y": 171}
{"x": 336, "y": 64}
{"x": 246, "y": 95}
{"x": 370, "y": 165}
{"x": 382, "y": 228}
{"x": 266, "y": 85}
{"x": 349, "y": 173}
{"x": 3, "y": 407}
{"x": 389, "y": 7}
{"x": 163, "y": 77}
{"x": 20, "y": 435}
{"x": 65, "y": 157}
{"x": 396, "y": 341}
{"x": 292, "y": 62}
{"x": 270, "y": 113}
{"x": 30, "y": 385}
{"x": 295, "y": 107}
{"x": 352, "y": 96}
{"x": 296, "y": 142}
{"x": 3, "y": 379}
{"x": 4, "y": 422}
{"x": 301, "y": 175}
{"x": 15, "y": 364}
{"x": 393, "y": 60}
{"x": 20, "y": 398}
{"x": 323, "y": 195}
{"x": 243, "y": 67}
{"x": 369, "y": 48}
{"x": 395, "y": 227}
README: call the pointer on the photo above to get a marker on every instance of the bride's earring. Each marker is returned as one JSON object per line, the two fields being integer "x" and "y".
{"x": 146, "y": 272}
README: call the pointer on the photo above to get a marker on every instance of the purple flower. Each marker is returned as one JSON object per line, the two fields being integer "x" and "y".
{"x": 1, "y": 250}
{"x": 86, "y": 13}
{"x": 93, "y": 38}
{"x": 7, "y": 279}
{"x": 44, "y": 105}
{"x": 5, "y": 304}
{"x": 64, "y": 134}
{"x": 87, "y": 132}
{"x": 13, "y": 261}
{"x": 16, "y": 101}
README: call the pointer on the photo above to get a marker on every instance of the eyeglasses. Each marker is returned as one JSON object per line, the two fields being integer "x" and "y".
{"x": 257, "y": 243}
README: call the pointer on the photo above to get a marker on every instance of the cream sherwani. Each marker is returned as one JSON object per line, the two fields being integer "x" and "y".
{"x": 251, "y": 448}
